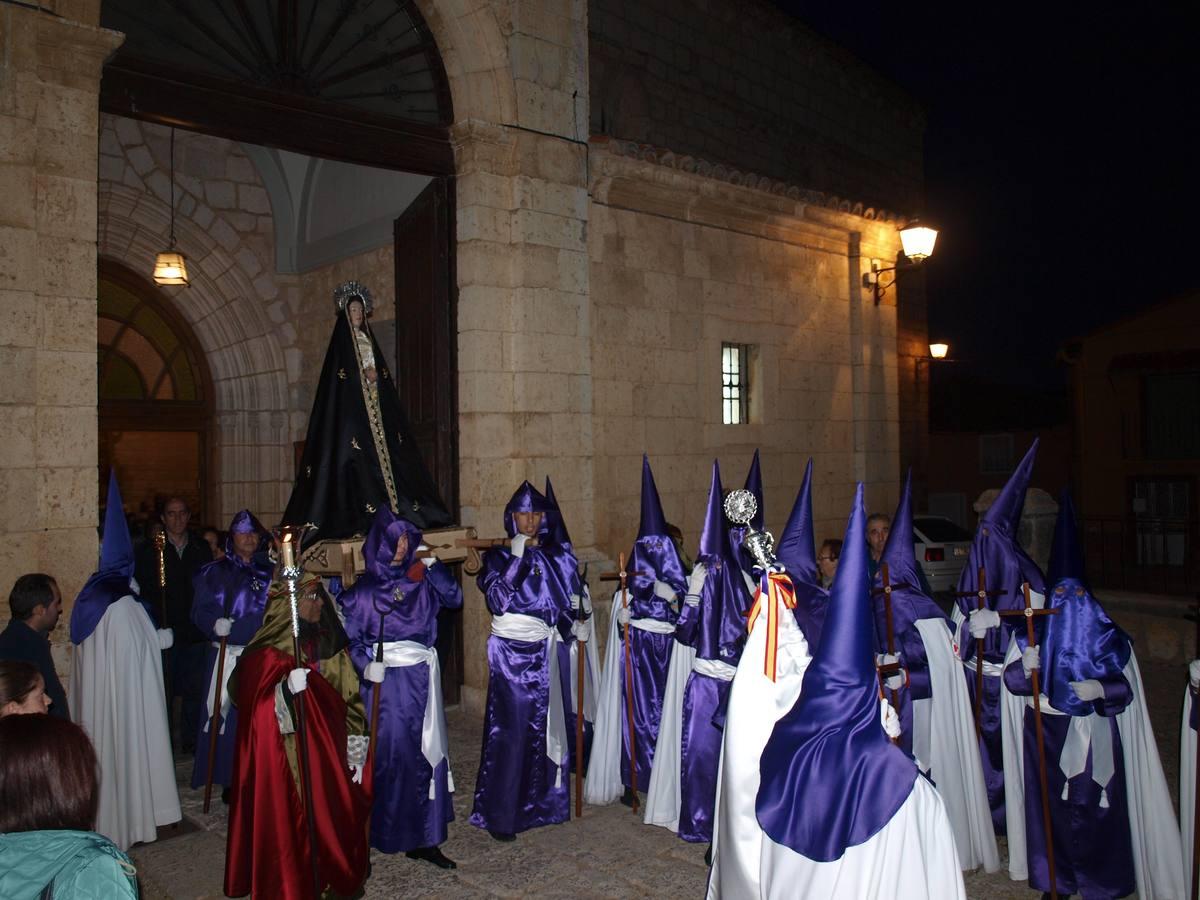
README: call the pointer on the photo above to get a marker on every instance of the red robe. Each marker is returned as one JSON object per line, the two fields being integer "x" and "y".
{"x": 267, "y": 853}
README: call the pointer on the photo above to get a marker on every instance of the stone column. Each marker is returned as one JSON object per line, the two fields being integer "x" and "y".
{"x": 49, "y": 84}
{"x": 525, "y": 392}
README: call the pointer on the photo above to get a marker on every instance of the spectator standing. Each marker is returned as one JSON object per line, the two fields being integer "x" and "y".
{"x": 36, "y": 604}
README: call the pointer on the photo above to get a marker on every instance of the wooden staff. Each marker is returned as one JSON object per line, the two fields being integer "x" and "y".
{"x": 623, "y": 577}
{"x": 889, "y": 668}
{"x": 1029, "y": 612}
{"x": 212, "y": 723}
{"x": 377, "y": 690}
{"x": 981, "y": 594}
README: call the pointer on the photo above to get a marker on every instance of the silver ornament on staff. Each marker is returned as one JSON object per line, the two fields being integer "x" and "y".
{"x": 740, "y": 509}
{"x": 288, "y": 538}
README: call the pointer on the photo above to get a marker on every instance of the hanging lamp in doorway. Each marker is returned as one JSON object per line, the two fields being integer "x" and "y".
{"x": 170, "y": 266}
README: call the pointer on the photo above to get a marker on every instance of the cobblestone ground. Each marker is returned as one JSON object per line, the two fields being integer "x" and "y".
{"x": 606, "y": 853}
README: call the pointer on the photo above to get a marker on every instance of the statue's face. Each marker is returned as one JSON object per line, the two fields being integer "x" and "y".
{"x": 354, "y": 309}
{"x": 527, "y": 523}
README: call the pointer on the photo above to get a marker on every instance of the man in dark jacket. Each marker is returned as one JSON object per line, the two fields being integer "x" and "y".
{"x": 183, "y": 556}
{"x": 36, "y": 605}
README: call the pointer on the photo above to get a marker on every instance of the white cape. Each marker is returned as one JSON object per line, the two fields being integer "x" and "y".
{"x": 1187, "y": 786}
{"x": 663, "y": 795}
{"x": 603, "y": 783}
{"x": 1157, "y": 854}
{"x": 755, "y": 704}
{"x": 944, "y": 741}
{"x": 117, "y": 696}
{"x": 911, "y": 858}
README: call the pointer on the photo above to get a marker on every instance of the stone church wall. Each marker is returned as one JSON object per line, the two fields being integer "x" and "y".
{"x": 680, "y": 263}
{"x": 742, "y": 83}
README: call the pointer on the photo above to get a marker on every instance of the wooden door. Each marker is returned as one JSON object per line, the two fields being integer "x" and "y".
{"x": 426, "y": 367}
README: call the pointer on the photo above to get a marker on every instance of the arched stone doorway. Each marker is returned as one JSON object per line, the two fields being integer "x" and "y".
{"x": 155, "y": 396}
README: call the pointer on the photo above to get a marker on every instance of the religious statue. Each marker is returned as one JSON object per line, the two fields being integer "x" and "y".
{"x": 359, "y": 453}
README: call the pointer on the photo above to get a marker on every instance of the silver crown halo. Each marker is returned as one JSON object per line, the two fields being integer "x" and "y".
{"x": 347, "y": 291}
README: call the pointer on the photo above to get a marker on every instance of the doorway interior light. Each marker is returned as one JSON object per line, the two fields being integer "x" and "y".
{"x": 939, "y": 351}
{"x": 917, "y": 242}
{"x": 170, "y": 266}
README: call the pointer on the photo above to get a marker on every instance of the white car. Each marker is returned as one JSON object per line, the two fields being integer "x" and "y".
{"x": 941, "y": 548}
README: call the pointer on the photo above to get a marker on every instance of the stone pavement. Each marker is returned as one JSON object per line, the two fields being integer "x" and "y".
{"x": 590, "y": 857}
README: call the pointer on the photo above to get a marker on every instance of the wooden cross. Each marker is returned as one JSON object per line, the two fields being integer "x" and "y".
{"x": 1029, "y": 612}
{"x": 981, "y": 594}
{"x": 623, "y": 576}
{"x": 888, "y": 668}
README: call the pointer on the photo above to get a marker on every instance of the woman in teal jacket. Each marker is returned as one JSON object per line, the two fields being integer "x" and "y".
{"x": 48, "y": 797}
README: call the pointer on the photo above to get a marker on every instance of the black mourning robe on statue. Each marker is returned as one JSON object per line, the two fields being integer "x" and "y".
{"x": 359, "y": 453}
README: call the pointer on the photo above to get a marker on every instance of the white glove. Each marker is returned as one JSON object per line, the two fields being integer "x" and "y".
{"x": 166, "y": 639}
{"x": 622, "y": 615}
{"x": 889, "y": 719}
{"x": 1031, "y": 659}
{"x": 374, "y": 672}
{"x": 1194, "y": 674}
{"x": 297, "y": 680}
{"x": 1089, "y": 690}
{"x": 981, "y": 620}
{"x": 222, "y": 627}
{"x": 886, "y": 659}
{"x": 517, "y": 545}
{"x": 696, "y": 580}
{"x": 576, "y": 602}
{"x": 427, "y": 560}
{"x": 582, "y": 629}
{"x": 691, "y": 599}
{"x": 664, "y": 591}
{"x": 895, "y": 682}
{"x": 356, "y": 755}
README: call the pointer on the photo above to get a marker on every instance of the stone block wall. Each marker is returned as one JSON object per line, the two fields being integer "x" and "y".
{"x": 680, "y": 263}
{"x": 49, "y": 79}
{"x": 742, "y": 83}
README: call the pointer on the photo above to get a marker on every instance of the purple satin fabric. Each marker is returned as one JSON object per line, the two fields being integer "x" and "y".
{"x": 101, "y": 591}
{"x": 385, "y": 604}
{"x": 515, "y": 788}
{"x": 1081, "y": 642}
{"x": 700, "y": 748}
{"x": 829, "y": 752}
{"x": 651, "y": 655}
{"x": 569, "y": 699}
{"x": 657, "y": 555}
{"x": 1093, "y": 852}
{"x": 716, "y": 627}
{"x": 228, "y": 588}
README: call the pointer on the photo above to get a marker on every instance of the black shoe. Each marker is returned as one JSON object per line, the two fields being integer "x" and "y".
{"x": 503, "y": 836}
{"x": 708, "y": 856}
{"x": 627, "y": 797}
{"x": 436, "y": 856}
{"x": 225, "y": 796}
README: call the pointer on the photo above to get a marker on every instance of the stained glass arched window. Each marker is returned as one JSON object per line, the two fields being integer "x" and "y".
{"x": 140, "y": 354}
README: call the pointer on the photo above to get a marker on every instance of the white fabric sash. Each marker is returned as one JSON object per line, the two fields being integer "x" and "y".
{"x": 1091, "y": 731}
{"x": 713, "y": 668}
{"x": 232, "y": 652}
{"x": 990, "y": 669}
{"x": 657, "y": 626}
{"x": 400, "y": 654}
{"x": 518, "y": 627}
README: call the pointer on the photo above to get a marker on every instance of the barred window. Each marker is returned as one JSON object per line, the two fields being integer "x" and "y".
{"x": 735, "y": 383}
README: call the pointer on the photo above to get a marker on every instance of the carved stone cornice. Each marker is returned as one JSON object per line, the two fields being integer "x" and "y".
{"x": 692, "y": 165}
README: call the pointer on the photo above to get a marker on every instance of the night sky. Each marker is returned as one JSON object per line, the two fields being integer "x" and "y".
{"x": 1059, "y": 164}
